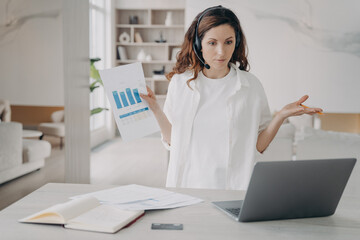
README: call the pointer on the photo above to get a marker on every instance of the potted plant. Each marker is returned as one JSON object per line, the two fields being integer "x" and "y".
{"x": 94, "y": 74}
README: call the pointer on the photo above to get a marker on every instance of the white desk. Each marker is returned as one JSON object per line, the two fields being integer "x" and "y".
{"x": 201, "y": 221}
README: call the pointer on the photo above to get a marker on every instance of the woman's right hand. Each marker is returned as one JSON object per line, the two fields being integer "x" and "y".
{"x": 151, "y": 100}
{"x": 160, "y": 116}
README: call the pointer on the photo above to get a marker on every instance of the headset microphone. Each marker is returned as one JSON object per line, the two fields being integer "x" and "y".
{"x": 207, "y": 66}
{"x": 197, "y": 41}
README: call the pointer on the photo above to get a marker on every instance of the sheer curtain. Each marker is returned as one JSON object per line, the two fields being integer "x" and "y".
{"x": 98, "y": 37}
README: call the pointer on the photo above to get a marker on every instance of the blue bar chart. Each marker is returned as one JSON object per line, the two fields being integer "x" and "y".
{"x": 130, "y": 96}
{"x": 123, "y": 86}
{"x": 128, "y": 101}
{"x": 123, "y": 99}
{"x": 137, "y": 96}
{"x": 117, "y": 99}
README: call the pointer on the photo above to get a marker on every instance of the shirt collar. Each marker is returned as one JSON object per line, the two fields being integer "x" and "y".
{"x": 241, "y": 81}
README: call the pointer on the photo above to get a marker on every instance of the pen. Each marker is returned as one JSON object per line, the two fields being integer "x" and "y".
{"x": 308, "y": 107}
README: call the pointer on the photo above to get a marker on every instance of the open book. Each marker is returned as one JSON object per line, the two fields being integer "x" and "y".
{"x": 86, "y": 214}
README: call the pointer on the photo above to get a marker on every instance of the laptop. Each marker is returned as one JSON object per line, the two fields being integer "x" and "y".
{"x": 291, "y": 189}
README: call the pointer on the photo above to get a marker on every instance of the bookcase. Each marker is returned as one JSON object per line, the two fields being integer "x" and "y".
{"x": 152, "y": 36}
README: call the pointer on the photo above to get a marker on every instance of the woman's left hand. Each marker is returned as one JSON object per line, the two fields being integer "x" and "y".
{"x": 296, "y": 109}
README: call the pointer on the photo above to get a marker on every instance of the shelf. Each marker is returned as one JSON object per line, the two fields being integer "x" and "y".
{"x": 146, "y": 62}
{"x": 148, "y": 26}
{"x": 151, "y": 27}
{"x": 148, "y": 44}
{"x": 156, "y": 79}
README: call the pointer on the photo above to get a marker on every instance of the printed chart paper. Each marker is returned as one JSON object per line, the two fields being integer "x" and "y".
{"x": 133, "y": 116}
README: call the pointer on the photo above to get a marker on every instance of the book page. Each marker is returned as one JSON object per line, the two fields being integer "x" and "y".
{"x": 104, "y": 218}
{"x": 61, "y": 213}
{"x": 132, "y": 114}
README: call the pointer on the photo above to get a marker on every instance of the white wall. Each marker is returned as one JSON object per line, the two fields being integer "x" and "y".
{"x": 301, "y": 47}
{"x": 136, "y": 4}
{"x": 31, "y": 55}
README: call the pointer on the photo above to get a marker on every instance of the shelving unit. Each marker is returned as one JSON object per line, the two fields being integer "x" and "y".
{"x": 151, "y": 24}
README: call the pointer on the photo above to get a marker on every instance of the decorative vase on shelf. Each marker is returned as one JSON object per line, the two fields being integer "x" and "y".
{"x": 141, "y": 55}
{"x": 124, "y": 37}
{"x": 168, "y": 19}
{"x": 148, "y": 58}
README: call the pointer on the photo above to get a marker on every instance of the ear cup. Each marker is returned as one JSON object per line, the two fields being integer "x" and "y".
{"x": 237, "y": 43}
{"x": 197, "y": 44}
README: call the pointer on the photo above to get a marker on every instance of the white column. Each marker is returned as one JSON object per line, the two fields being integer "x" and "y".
{"x": 76, "y": 88}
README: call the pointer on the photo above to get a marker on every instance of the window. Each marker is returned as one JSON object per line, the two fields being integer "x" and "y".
{"x": 98, "y": 39}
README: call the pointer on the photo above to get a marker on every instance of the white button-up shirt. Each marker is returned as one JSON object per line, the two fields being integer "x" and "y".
{"x": 248, "y": 114}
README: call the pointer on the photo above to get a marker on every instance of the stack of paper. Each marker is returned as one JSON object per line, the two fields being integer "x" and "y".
{"x": 136, "y": 197}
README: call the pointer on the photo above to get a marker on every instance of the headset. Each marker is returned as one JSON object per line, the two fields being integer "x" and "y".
{"x": 197, "y": 42}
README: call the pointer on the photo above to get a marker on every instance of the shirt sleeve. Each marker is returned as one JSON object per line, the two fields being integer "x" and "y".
{"x": 168, "y": 109}
{"x": 265, "y": 116}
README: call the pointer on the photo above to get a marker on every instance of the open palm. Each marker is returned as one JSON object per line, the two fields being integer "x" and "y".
{"x": 296, "y": 108}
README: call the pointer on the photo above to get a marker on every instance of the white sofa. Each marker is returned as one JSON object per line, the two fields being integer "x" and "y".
{"x": 306, "y": 143}
{"x": 319, "y": 144}
{"x": 281, "y": 148}
{"x": 19, "y": 156}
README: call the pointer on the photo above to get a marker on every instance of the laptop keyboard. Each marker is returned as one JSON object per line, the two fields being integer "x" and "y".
{"x": 233, "y": 211}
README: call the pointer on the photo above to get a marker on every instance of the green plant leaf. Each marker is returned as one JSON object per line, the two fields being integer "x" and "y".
{"x": 94, "y": 74}
{"x": 93, "y": 87}
{"x": 92, "y": 60}
{"x": 97, "y": 110}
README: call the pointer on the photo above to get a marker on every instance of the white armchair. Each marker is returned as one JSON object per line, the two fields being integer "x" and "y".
{"x": 55, "y": 128}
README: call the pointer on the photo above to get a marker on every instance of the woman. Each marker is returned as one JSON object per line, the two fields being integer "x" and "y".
{"x": 216, "y": 117}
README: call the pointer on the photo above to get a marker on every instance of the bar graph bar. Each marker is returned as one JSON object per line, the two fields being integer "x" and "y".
{"x": 137, "y": 96}
{"x": 130, "y": 96}
{"x": 134, "y": 112}
{"x": 131, "y": 108}
{"x": 123, "y": 99}
{"x": 117, "y": 99}
{"x": 127, "y": 98}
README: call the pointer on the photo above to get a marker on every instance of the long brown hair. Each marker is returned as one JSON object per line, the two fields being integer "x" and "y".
{"x": 187, "y": 60}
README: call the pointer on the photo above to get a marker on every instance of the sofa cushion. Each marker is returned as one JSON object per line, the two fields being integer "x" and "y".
{"x": 311, "y": 133}
{"x": 286, "y": 130}
{"x": 35, "y": 150}
{"x": 55, "y": 129}
{"x": 58, "y": 116}
{"x": 302, "y": 121}
{"x": 10, "y": 145}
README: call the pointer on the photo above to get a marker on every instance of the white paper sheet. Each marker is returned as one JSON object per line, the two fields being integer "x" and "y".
{"x": 132, "y": 114}
{"x": 137, "y": 197}
{"x": 123, "y": 194}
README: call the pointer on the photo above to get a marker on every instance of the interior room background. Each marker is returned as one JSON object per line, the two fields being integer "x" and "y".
{"x": 295, "y": 48}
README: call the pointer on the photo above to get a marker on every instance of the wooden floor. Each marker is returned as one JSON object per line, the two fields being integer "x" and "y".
{"x": 143, "y": 161}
